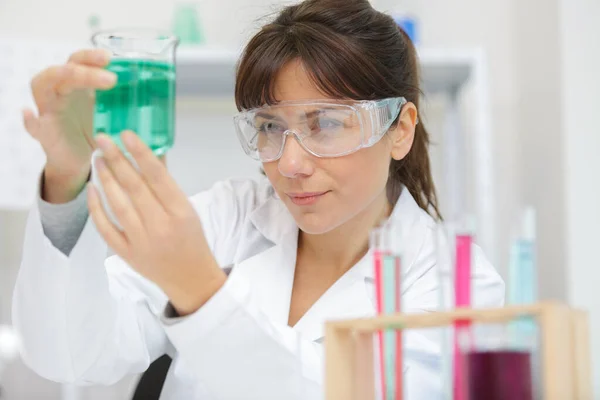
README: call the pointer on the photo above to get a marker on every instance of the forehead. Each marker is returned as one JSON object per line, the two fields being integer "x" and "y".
{"x": 294, "y": 83}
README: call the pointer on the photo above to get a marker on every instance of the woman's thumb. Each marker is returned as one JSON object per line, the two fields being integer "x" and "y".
{"x": 31, "y": 122}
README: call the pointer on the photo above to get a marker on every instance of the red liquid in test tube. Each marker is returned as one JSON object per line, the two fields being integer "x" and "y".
{"x": 462, "y": 293}
{"x": 378, "y": 262}
{"x": 399, "y": 392}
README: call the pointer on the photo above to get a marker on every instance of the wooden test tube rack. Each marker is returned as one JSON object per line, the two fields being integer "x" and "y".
{"x": 564, "y": 348}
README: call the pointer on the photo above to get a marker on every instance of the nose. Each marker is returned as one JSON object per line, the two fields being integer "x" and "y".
{"x": 295, "y": 160}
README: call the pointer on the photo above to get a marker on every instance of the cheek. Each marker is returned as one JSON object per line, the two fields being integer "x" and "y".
{"x": 279, "y": 182}
{"x": 355, "y": 178}
{"x": 362, "y": 174}
{"x": 271, "y": 172}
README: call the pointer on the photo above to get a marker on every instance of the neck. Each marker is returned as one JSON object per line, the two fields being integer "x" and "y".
{"x": 345, "y": 245}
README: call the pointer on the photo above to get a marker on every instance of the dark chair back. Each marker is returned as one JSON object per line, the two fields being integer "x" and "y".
{"x": 151, "y": 382}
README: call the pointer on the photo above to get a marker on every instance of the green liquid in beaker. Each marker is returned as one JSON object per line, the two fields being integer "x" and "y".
{"x": 143, "y": 100}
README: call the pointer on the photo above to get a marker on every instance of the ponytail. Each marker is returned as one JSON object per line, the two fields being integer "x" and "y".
{"x": 413, "y": 172}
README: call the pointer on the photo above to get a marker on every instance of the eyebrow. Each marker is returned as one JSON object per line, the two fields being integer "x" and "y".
{"x": 266, "y": 115}
{"x": 308, "y": 115}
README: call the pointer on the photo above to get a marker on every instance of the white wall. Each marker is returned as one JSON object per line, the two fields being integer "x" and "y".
{"x": 539, "y": 150}
{"x": 229, "y": 25}
{"x": 579, "y": 103}
{"x": 206, "y": 147}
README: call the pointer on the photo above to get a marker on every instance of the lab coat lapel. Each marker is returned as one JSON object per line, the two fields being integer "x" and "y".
{"x": 270, "y": 273}
{"x": 353, "y": 295}
{"x": 347, "y": 298}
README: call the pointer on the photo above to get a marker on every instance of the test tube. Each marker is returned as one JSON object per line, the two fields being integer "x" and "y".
{"x": 387, "y": 263}
{"x": 463, "y": 242}
{"x": 499, "y": 359}
{"x": 522, "y": 289}
{"x": 376, "y": 247}
{"x": 454, "y": 241}
{"x": 522, "y": 285}
{"x": 392, "y": 273}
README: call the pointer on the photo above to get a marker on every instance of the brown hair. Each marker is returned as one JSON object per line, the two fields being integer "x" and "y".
{"x": 351, "y": 51}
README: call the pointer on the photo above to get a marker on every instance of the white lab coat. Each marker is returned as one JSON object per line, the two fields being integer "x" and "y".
{"x": 91, "y": 320}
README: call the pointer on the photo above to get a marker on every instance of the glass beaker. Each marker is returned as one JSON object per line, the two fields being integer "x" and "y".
{"x": 143, "y": 99}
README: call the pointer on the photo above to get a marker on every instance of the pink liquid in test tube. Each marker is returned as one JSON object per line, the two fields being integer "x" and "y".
{"x": 399, "y": 372}
{"x": 462, "y": 293}
{"x": 378, "y": 261}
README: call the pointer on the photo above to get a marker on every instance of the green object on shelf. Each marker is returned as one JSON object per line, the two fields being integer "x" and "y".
{"x": 94, "y": 22}
{"x": 187, "y": 25}
{"x": 143, "y": 100}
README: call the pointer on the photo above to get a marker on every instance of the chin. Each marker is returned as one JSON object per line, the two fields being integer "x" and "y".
{"x": 316, "y": 223}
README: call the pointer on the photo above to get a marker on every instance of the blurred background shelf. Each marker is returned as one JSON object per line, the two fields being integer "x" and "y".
{"x": 205, "y": 71}
{"x": 210, "y": 71}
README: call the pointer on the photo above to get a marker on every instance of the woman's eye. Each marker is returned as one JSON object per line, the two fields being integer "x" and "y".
{"x": 327, "y": 124}
{"x": 330, "y": 123}
{"x": 271, "y": 127}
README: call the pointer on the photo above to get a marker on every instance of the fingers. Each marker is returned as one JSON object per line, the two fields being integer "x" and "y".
{"x": 119, "y": 202}
{"x": 155, "y": 174}
{"x": 63, "y": 79}
{"x": 75, "y": 76}
{"x": 113, "y": 237}
{"x": 84, "y": 69}
{"x": 91, "y": 57}
{"x": 130, "y": 180}
{"x": 31, "y": 122}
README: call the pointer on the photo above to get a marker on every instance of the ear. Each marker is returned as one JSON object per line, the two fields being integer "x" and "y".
{"x": 403, "y": 134}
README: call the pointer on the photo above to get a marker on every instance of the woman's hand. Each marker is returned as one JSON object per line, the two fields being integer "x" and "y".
{"x": 64, "y": 96}
{"x": 162, "y": 236}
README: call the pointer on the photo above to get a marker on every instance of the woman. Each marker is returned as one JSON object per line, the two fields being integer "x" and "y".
{"x": 328, "y": 96}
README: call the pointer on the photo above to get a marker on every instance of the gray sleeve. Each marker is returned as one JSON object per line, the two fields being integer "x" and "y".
{"x": 63, "y": 223}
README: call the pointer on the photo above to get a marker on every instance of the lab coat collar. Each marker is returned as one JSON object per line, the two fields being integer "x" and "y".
{"x": 273, "y": 220}
{"x": 271, "y": 272}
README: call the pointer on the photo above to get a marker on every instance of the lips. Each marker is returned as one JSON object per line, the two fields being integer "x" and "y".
{"x": 306, "y": 198}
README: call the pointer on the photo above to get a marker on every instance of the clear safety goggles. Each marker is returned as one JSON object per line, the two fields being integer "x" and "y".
{"x": 326, "y": 128}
